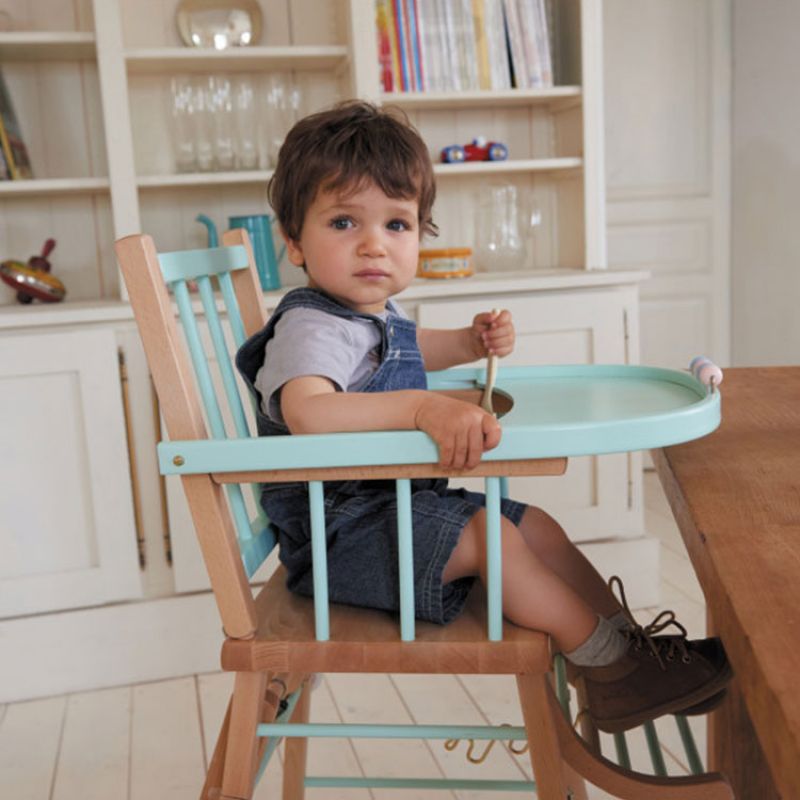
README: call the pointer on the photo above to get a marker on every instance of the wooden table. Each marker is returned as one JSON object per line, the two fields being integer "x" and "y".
{"x": 736, "y": 497}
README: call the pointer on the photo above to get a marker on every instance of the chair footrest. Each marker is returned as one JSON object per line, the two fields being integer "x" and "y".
{"x": 356, "y": 731}
{"x": 469, "y": 784}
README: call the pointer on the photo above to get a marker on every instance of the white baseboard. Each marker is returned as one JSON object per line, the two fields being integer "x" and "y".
{"x": 128, "y": 643}
{"x": 113, "y": 645}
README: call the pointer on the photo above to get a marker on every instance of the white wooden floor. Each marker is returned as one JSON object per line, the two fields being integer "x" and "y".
{"x": 152, "y": 741}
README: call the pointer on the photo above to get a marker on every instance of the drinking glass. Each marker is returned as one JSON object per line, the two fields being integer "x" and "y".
{"x": 282, "y": 107}
{"x": 244, "y": 104}
{"x": 220, "y": 105}
{"x": 182, "y": 125}
{"x": 203, "y": 125}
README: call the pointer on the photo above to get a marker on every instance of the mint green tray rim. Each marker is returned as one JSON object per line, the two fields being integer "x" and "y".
{"x": 558, "y": 411}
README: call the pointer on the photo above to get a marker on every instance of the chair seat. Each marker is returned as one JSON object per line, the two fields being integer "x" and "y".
{"x": 363, "y": 640}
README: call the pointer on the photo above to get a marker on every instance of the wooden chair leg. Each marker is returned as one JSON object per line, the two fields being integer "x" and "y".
{"x": 213, "y": 782}
{"x": 543, "y": 743}
{"x": 240, "y": 755}
{"x": 296, "y": 750}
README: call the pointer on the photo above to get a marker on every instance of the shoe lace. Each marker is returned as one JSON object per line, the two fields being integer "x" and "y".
{"x": 643, "y": 636}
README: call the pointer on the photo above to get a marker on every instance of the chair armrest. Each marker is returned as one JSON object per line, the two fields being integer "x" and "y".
{"x": 339, "y": 456}
{"x": 497, "y": 469}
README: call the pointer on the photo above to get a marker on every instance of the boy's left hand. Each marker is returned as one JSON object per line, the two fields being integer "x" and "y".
{"x": 492, "y": 334}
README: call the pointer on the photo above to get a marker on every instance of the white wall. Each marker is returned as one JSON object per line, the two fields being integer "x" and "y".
{"x": 766, "y": 182}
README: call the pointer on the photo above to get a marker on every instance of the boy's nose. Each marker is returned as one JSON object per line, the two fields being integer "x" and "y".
{"x": 371, "y": 244}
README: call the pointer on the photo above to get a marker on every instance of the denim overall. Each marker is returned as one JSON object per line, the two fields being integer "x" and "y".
{"x": 361, "y": 516}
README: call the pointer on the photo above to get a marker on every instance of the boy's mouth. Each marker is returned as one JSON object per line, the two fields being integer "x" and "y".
{"x": 371, "y": 274}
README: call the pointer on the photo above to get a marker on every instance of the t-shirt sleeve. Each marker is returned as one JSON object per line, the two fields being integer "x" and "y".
{"x": 306, "y": 342}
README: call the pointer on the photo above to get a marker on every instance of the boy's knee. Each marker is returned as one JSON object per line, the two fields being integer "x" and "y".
{"x": 538, "y": 525}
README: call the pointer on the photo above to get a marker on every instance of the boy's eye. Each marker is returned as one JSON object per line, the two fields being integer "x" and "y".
{"x": 399, "y": 225}
{"x": 341, "y": 223}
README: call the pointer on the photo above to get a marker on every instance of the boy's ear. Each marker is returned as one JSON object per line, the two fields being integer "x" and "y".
{"x": 293, "y": 250}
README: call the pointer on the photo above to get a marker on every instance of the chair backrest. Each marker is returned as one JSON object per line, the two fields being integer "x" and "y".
{"x": 193, "y": 404}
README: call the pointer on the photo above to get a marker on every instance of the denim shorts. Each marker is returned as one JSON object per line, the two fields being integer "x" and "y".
{"x": 361, "y": 529}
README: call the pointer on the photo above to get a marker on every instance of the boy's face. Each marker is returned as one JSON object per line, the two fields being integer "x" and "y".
{"x": 361, "y": 247}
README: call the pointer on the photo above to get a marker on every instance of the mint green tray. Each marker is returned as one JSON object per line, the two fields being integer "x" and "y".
{"x": 557, "y": 411}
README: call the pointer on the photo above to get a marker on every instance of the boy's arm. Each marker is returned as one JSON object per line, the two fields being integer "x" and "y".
{"x": 442, "y": 349}
{"x": 462, "y": 431}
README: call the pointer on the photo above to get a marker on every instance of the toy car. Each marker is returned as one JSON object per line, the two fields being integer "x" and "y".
{"x": 479, "y": 149}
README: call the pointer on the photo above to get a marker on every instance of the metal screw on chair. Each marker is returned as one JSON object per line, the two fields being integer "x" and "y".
{"x": 178, "y": 461}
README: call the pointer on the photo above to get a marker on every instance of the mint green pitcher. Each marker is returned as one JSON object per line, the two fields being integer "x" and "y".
{"x": 259, "y": 228}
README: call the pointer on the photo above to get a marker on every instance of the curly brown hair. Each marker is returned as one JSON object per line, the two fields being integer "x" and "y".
{"x": 342, "y": 149}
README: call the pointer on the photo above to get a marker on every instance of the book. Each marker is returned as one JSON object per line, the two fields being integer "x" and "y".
{"x": 465, "y": 44}
{"x": 528, "y": 19}
{"x": 543, "y": 43}
{"x": 482, "y": 44}
{"x": 431, "y": 55}
{"x": 14, "y": 151}
{"x": 414, "y": 45}
{"x": 386, "y": 56}
{"x": 402, "y": 40}
{"x": 5, "y": 169}
{"x": 498, "y": 45}
{"x": 450, "y": 46}
{"x": 516, "y": 47}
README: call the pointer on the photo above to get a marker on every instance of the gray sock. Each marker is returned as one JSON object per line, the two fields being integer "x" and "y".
{"x": 621, "y": 621}
{"x": 605, "y": 646}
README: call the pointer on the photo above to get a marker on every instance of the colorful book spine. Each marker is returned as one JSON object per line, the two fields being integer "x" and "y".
{"x": 14, "y": 151}
{"x": 402, "y": 49}
{"x": 482, "y": 44}
{"x": 385, "y": 58}
{"x": 5, "y": 158}
{"x": 416, "y": 48}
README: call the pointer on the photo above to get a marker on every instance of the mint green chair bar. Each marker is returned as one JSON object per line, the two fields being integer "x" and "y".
{"x": 276, "y": 642}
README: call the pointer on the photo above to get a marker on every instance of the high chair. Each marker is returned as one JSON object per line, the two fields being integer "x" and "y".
{"x": 276, "y": 642}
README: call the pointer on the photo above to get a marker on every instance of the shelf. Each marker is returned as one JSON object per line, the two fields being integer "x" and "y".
{"x": 203, "y": 179}
{"x": 204, "y": 60}
{"x": 558, "y": 97}
{"x": 51, "y": 186}
{"x": 442, "y": 170}
{"x": 565, "y": 165}
{"x": 47, "y": 46}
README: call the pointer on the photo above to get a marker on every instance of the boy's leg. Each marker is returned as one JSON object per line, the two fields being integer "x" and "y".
{"x": 547, "y": 539}
{"x": 534, "y": 596}
{"x": 626, "y": 679}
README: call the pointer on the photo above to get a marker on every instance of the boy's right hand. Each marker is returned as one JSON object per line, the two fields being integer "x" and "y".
{"x": 462, "y": 431}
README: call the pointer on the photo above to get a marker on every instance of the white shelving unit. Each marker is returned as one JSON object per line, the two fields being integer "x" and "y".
{"x": 105, "y": 89}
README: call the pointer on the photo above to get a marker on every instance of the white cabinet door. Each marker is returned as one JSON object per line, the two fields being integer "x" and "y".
{"x": 67, "y": 532}
{"x": 599, "y": 496}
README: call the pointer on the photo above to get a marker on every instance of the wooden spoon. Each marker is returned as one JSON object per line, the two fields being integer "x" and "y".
{"x": 491, "y": 375}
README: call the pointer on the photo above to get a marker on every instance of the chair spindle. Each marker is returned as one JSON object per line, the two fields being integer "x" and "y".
{"x": 406, "y": 559}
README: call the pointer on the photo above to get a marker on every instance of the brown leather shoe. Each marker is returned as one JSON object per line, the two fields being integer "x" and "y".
{"x": 661, "y": 621}
{"x": 658, "y": 675}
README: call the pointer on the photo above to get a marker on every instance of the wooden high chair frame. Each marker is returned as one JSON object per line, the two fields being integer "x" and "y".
{"x": 277, "y": 641}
